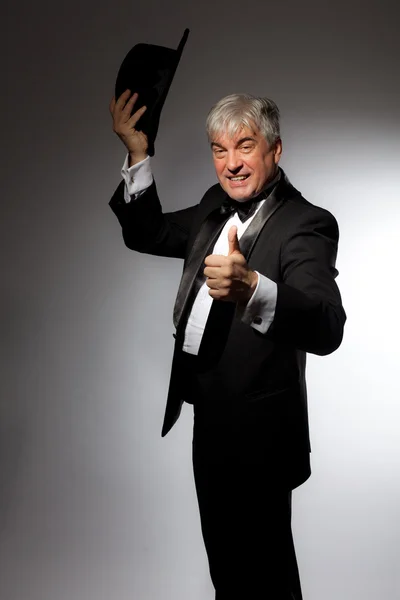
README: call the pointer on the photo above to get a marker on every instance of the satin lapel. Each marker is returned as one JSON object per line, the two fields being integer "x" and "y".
{"x": 208, "y": 233}
{"x": 271, "y": 204}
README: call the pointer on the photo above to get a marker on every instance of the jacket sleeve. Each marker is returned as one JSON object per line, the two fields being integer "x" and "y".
{"x": 145, "y": 228}
{"x": 309, "y": 312}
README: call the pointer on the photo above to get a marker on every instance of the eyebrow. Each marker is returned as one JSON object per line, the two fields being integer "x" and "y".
{"x": 239, "y": 142}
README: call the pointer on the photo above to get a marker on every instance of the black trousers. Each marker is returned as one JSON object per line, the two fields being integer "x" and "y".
{"x": 245, "y": 513}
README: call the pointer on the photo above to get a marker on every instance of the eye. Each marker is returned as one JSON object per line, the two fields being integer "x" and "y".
{"x": 218, "y": 152}
{"x": 246, "y": 148}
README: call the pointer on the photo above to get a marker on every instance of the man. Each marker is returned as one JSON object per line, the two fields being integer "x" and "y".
{"x": 257, "y": 293}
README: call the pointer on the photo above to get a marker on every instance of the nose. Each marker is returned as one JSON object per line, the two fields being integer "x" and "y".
{"x": 233, "y": 162}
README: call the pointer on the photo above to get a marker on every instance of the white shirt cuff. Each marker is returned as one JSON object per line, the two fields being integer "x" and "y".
{"x": 137, "y": 178}
{"x": 260, "y": 309}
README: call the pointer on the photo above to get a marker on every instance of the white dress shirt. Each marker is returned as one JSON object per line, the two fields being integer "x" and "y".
{"x": 259, "y": 311}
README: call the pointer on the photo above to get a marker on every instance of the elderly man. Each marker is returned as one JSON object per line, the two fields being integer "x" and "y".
{"x": 257, "y": 293}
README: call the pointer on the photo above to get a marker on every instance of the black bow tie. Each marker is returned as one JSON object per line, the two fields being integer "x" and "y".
{"x": 245, "y": 210}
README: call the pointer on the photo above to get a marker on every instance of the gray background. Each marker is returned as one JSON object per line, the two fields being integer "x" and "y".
{"x": 94, "y": 504}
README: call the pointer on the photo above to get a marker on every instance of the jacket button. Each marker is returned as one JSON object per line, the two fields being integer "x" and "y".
{"x": 257, "y": 320}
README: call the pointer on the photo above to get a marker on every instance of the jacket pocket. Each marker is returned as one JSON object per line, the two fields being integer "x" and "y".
{"x": 264, "y": 394}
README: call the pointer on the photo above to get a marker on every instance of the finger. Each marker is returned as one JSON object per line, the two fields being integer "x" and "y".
{"x": 233, "y": 241}
{"x": 212, "y": 272}
{"x": 221, "y": 274}
{"x": 212, "y": 283}
{"x": 215, "y": 282}
{"x": 215, "y": 260}
{"x": 112, "y": 105}
{"x": 219, "y": 284}
{"x": 130, "y": 104}
{"x": 136, "y": 116}
{"x": 124, "y": 97}
{"x": 219, "y": 294}
{"x": 122, "y": 100}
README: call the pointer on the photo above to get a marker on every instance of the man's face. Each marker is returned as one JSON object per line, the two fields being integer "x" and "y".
{"x": 245, "y": 163}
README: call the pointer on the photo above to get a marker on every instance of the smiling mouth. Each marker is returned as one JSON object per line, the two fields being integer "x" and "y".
{"x": 238, "y": 177}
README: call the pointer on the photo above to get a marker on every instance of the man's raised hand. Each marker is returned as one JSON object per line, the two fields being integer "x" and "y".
{"x": 124, "y": 126}
{"x": 229, "y": 277}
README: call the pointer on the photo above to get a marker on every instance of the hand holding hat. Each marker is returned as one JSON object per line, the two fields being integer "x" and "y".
{"x": 124, "y": 122}
{"x": 147, "y": 70}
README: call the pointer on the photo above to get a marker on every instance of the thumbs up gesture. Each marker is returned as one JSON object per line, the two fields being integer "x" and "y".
{"x": 234, "y": 247}
{"x": 229, "y": 277}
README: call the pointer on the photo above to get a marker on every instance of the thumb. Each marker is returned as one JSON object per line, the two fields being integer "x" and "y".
{"x": 233, "y": 241}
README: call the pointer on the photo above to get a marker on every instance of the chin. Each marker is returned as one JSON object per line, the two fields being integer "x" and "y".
{"x": 241, "y": 195}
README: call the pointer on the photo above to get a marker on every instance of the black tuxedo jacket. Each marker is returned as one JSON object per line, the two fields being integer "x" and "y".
{"x": 294, "y": 243}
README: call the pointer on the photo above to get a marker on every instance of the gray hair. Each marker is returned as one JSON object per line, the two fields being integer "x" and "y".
{"x": 233, "y": 112}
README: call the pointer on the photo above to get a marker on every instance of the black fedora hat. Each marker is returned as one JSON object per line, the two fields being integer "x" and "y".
{"x": 149, "y": 70}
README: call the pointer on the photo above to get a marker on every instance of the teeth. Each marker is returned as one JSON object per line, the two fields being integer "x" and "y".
{"x": 240, "y": 178}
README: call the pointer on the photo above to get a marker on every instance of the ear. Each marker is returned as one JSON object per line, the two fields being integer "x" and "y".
{"x": 277, "y": 151}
